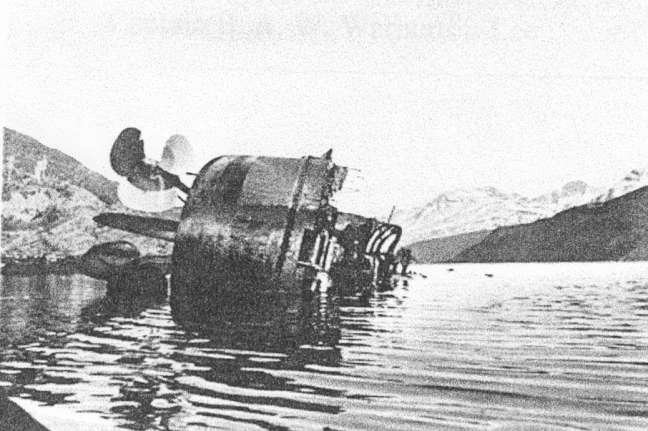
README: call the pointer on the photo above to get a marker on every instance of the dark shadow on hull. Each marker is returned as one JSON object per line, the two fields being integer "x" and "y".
{"x": 129, "y": 294}
{"x": 147, "y": 281}
{"x": 304, "y": 327}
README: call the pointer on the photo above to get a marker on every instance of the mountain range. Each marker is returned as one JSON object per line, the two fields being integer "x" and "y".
{"x": 464, "y": 211}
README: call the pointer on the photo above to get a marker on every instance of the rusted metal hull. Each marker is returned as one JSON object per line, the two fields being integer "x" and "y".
{"x": 246, "y": 226}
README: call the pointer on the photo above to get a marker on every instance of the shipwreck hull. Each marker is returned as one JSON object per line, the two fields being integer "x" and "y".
{"x": 219, "y": 259}
{"x": 250, "y": 225}
{"x": 253, "y": 224}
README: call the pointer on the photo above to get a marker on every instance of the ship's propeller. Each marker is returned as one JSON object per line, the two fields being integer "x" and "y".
{"x": 128, "y": 160}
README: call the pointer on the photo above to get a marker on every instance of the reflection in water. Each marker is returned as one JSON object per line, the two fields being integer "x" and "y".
{"x": 560, "y": 347}
{"x": 128, "y": 354}
{"x": 39, "y": 306}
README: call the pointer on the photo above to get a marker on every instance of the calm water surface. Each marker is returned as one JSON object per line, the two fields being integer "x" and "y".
{"x": 521, "y": 346}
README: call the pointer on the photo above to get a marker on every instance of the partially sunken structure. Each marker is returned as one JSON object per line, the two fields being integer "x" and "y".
{"x": 252, "y": 224}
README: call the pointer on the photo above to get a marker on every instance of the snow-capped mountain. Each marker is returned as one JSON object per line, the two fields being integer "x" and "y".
{"x": 461, "y": 211}
{"x": 635, "y": 179}
{"x": 571, "y": 194}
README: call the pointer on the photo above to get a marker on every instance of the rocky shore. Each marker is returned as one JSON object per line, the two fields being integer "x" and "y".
{"x": 52, "y": 221}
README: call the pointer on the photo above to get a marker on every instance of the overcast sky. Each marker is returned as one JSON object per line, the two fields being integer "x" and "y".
{"x": 421, "y": 96}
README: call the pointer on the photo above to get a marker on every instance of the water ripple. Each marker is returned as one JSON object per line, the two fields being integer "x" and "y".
{"x": 533, "y": 347}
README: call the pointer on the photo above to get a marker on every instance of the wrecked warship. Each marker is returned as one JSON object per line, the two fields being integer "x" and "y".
{"x": 249, "y": 224}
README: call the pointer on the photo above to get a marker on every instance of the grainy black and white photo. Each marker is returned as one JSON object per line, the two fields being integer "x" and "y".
{"x": 324, "y": 215}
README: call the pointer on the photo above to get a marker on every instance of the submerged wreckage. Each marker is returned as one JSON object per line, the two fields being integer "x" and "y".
{"x": 248, "y": 224}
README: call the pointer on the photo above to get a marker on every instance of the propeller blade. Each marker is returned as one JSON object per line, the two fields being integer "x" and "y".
{"x": 177, "y": 155}
{"x": 127, "y": 151}
{"x": 127, "y": 159}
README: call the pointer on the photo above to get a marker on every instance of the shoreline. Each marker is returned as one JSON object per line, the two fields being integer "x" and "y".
{"x": 66, "y": 266}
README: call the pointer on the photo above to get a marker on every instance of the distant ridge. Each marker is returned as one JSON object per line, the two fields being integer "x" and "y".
{"x": 27, "y": 151}
{"x": 614, "y": 230}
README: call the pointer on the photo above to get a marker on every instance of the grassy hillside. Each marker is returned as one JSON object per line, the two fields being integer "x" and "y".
{"x": 614, "y": 230}
{"x": 443, "y": 249}
{"x": 51, "y": 215}
{"x": 26, "y": 152}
